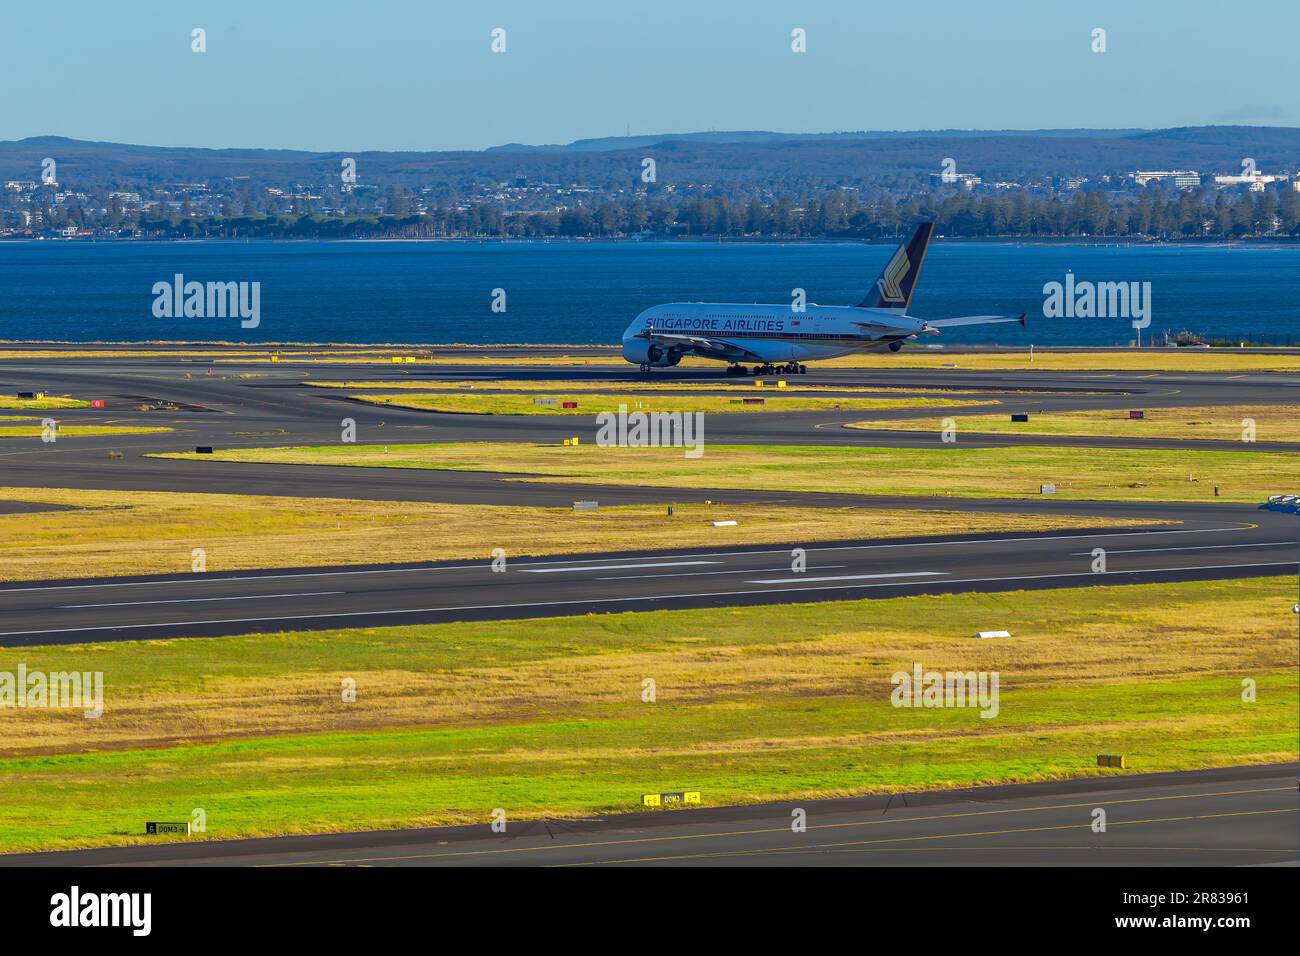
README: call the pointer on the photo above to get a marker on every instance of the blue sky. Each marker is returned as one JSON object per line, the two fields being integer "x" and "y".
{"x": 419, "y": 74}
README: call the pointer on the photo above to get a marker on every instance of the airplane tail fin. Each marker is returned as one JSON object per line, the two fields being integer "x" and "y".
{"x": 893, "y": 290}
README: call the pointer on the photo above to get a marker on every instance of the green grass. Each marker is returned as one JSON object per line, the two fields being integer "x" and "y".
{"x": 942, "y": 471}
{"x": 401, "y": 778}
{"x": 545, "y": 717}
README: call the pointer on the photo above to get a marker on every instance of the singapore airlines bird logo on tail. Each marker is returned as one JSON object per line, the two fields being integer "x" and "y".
{"x": 890, "y": 283}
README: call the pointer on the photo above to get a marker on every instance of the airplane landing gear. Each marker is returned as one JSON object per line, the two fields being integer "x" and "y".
{"x": 645, "y": 366}
{"x": 787, "y": 368}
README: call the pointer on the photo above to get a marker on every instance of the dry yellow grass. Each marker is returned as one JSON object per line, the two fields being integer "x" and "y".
{"x": 1280, "y": 423}
{"x": 747, "y": 386}
{"x": 1133, "y": 474}
{"x": 49, "y": 401}
{"x": 36, "y": 429}
{"x": 127, "y": 532}
{"x": 595, "y": 403}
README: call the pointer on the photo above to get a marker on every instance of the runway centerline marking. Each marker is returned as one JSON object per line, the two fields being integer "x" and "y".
{"x": 1198, "y": 547}
{"x": 616, "y": 567}
{"x": 245, "y": 597}
{"x": 1083, "y": 534}
{"x": 853, "y": 577}
{"x": 649, "y": 597}
{"x": 701, "y": 574}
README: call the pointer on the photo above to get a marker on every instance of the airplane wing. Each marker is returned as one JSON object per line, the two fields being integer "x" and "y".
{"x": 718, "y": 348}
{"x": 976, "y": 320}
{"x": 883, "y": 328}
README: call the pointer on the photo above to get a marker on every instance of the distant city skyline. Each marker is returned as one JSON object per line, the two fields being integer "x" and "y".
{"x": 411, "y": 75}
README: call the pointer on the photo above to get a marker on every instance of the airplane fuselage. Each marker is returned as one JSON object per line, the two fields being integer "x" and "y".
{"x": 783, "y": 337}
{"x": 768, "y": 333}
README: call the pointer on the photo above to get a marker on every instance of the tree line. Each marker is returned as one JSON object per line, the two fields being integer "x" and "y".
{"x": 834, "y": 215}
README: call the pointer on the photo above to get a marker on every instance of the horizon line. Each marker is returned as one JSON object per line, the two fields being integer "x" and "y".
{"x": 845, "y": 134}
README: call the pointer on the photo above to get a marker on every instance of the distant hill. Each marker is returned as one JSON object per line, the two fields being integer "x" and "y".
{"x": 740, "y": 159}
{"x": 614, "y": 143}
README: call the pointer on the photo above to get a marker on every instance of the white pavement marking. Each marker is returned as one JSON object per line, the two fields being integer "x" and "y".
{"x": 651, "y": 597}
{"x": 247, "y": 597}
{"x": 1199, "y": 547}
{"x": 946, "y": 543}
{"x": 701, "y": 574}
{"x": 615, "y": 567}
{"x": 853, "y": 577}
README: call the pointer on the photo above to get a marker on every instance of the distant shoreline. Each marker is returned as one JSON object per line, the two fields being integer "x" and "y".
{"x": 1282, "y": 242}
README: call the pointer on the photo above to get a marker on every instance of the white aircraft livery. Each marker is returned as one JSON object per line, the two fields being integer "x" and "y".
{"x": 780, "y": 338}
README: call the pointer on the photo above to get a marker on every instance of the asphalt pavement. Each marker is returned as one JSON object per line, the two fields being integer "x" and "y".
{"x": 1205, "y": 543}
{"x": 1233, "y": 816}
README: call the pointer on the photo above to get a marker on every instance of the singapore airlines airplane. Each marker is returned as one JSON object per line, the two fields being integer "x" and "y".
{"x": 780, "y": 338}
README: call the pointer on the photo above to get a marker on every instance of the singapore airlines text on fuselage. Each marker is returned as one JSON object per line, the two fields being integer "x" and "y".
{"x": 782, "y": 337}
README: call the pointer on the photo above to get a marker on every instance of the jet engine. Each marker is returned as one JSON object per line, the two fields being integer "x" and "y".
{"x": 645, "y": 352}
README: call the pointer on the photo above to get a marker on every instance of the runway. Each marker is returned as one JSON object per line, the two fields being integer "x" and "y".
{"x": 252, "y": 403}
{"x": 1236, "y": 816}
{"x": 1207, "y": 543}
{"x": 1233, "y": 816}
